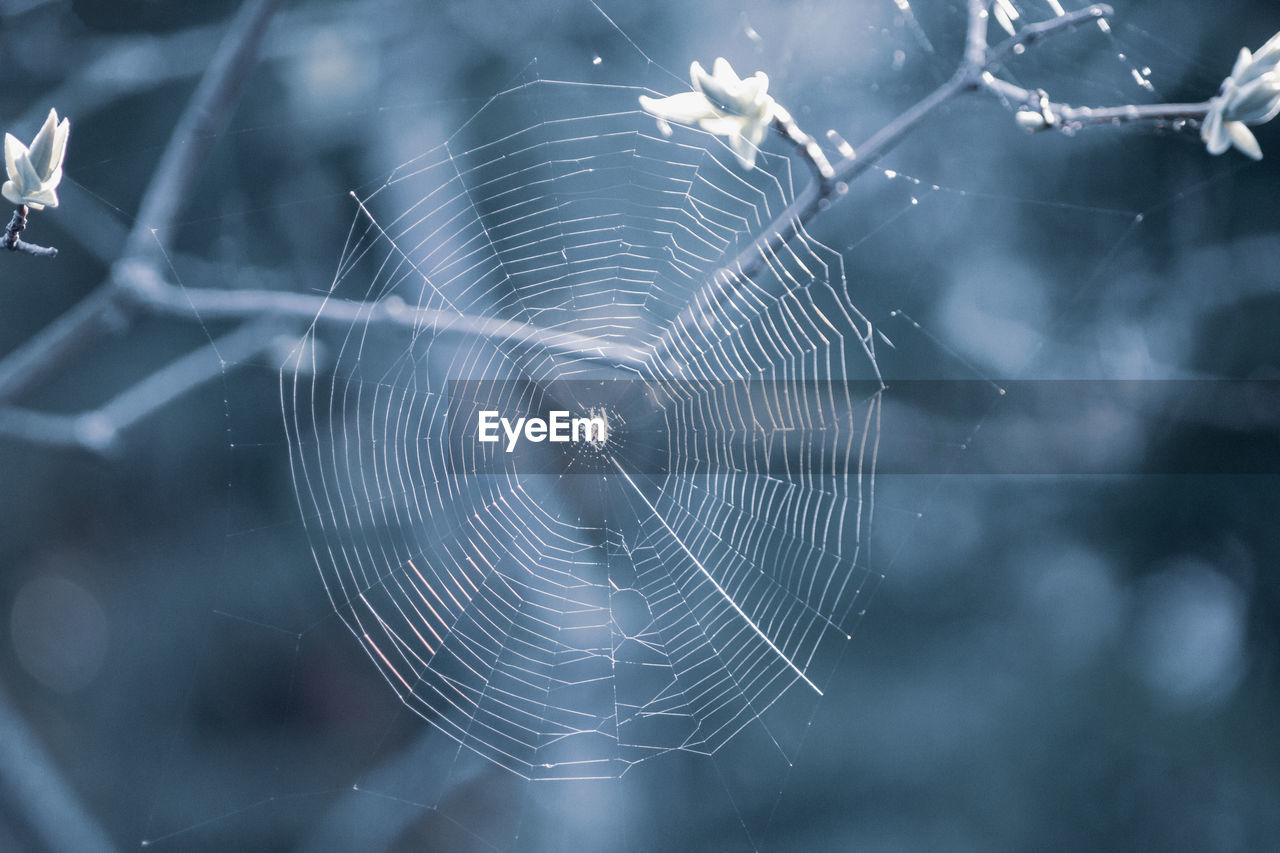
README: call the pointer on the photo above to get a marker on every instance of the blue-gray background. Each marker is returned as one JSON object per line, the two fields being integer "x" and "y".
{"x": 1050, "y": 662}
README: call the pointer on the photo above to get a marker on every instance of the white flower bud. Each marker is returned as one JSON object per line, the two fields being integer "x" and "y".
{"x": 1250, "y": 96}
{"x": 35, "y": 172}
{"x": 721, "y": 104}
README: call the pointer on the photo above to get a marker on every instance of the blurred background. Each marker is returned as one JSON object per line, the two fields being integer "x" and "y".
{"x": 1081, "y": 657}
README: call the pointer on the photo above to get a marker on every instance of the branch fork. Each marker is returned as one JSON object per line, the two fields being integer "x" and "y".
{"x": 137, "y": 285}
{"x": 1036, "y": 111}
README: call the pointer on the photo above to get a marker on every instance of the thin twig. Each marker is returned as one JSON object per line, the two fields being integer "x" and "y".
{"x": 155, "y": 297}
{"x": 13, "y": 236}
{"x": 808, "y": 147}
{"x": 205, "y": 364}
{"x": 726, "y": 281}
{"x": 44, "y": 429}
{"x": 99, "y": 431}
{"x": 975, "y": 38}
{"x": 273, "y": 313}
{"x": 1066, "y": 117}
{"x": 36, "y": 797}
{"x": 198, "y": 128}
{"x": 1033, "y": 33}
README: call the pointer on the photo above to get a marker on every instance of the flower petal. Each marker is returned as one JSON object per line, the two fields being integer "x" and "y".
{"x": 1214, "y": 136}
{"x": 13, "y": 150}
{"x": 10, "y": 191}
{"x": 1272, "y": 110}
{"x": 60, "y": 143}
{"x": 767, "y": 110}
{"x": 27, "y": 179}
{"x": 724, "y": 72}
{"x": 684, "y": 107}
{"x": 722, "y": 125}
{"x": 1243, "y": 139}
{"x": 1243, "y": 61}
{"x": 764, "y": 81}
{"x": 697, "y": 74}
{"x": 725, "y": 94}
{"x": 42, "y": 152}
{"x": 744, "y": 149}
{"x": 750, "y": 91}
{"x": 1256, "y": 102}
{"x": 1269, "y": 53}
{"x": 721, "y": 104}
{"x": 46, "y": 196}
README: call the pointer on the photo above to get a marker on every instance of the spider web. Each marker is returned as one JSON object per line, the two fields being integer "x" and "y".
{"x": 672, "y": 583}
{"x": 687, "y": 588}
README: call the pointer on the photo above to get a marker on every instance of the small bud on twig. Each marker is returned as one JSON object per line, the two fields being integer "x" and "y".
{"x": 1030, "y": 120}
{"x": 34, "y": 174}
{"x": 722, "y": 104}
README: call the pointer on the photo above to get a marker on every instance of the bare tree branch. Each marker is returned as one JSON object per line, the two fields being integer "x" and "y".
{"x": 45, "y": 808}
{"x": 43, "y": 428}
{"x": 1038, "y": 32}
{"x": 119, "y": 65}
{"x": 154, "y": 296}
{"x": 143, "y": 292}
{"x": 99, "y": 431}
{"x": 975, "y": 38}
{"x": 58, "y": 343}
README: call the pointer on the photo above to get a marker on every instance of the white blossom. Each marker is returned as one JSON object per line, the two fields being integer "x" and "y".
{"x": 722, "y": 104}
{"x": 35, "y": 172}
{"x": 1251, "y": 95}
